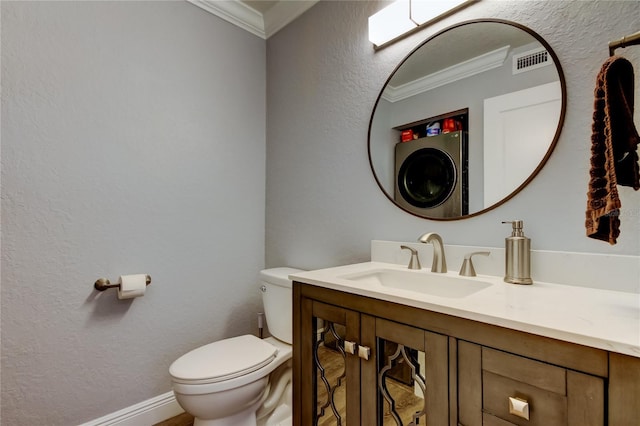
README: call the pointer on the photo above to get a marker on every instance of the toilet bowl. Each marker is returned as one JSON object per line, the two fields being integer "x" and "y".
{"x": 243, "y": 380}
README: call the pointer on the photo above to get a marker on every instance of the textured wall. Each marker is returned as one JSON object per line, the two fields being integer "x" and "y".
{"x": 323, "y": 205}
{"x": 133, "y": 141}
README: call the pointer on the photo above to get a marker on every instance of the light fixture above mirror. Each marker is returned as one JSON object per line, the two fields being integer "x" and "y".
{"x": 405, "y": 16}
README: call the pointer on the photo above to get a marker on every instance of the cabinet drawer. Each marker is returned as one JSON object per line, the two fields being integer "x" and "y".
{"x": 546, "y": 408}
{"x": 541, "y": 385}
{"x": 520, "y": 369}
{"x": 555, "y": 396}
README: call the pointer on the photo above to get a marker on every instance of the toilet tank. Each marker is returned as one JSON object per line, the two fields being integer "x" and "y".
{"x": 277, "y": 298}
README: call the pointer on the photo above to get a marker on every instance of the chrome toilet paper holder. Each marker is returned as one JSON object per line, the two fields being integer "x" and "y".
{"x": 103, "y": 284}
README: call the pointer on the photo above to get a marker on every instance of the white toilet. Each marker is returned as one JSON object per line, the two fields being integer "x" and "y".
{"x": 245, "y": 380}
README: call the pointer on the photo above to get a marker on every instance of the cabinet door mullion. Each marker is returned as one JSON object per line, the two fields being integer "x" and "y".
{"x": 353, "y": 370}
{"x": 368, "y": 373}
{"x": 437, "y": 376}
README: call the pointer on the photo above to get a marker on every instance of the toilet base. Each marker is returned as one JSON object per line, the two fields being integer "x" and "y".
{"x": 265, "y": 401}
{"x": 235, "y": 407}
{"x": 246, "y": 417}
{"x": 282, "y": 416}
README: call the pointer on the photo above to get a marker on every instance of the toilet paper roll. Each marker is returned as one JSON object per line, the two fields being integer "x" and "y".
{"x": 132, "y": 286}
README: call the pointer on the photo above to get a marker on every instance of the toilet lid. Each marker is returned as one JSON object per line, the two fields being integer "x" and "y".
{"x": 223, "y": 360}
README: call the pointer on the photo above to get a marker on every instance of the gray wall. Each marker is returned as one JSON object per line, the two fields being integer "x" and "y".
{"x": 133, "y": 141}
{"x": 323, "y": 205}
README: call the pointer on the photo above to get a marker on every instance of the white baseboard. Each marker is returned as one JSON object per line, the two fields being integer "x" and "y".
{"x": 145, "y": 413}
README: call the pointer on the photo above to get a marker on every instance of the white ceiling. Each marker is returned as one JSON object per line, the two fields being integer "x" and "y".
{"x": 263, "y": 18}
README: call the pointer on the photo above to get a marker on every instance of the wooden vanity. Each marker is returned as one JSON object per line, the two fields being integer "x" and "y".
{"x": 471, "y": 368}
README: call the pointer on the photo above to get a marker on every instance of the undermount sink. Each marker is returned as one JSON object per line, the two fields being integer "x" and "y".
{"x": 424, "y": 282}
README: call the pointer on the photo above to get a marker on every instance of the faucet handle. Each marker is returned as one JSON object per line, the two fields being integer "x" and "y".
{"x": 414, "y": 263}
{"x": 467, "y": 269}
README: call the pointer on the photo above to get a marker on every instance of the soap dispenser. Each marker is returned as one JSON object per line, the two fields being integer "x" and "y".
{"x": 517, "y": 256}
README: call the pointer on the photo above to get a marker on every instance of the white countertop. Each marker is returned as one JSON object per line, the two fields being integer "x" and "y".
{"x": 602, "y": 319}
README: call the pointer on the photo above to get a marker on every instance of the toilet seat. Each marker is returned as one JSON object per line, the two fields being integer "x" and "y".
{"x": 223, "y": 360}
{"x": 186, "y": 387}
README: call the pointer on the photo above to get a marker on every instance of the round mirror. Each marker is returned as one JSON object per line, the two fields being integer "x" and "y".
{"x": 467, "y": 119}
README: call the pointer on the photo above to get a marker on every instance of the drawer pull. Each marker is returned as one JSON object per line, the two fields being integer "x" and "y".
{"x": 519, "y": 407}
{"x": 364, "y": 352}
{"x": 350, "y": 347}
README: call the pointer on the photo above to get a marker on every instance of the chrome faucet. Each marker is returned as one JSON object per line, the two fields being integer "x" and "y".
{"x": 439, "y": 263}
{"x": 414, "y": 263}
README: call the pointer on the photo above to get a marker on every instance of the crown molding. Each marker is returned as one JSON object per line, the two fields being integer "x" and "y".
{"x": 247, "y": 18}
{"x": 284, "y": 12}
{"x": 235, "y": 12}
{"x": 473, "y": 66}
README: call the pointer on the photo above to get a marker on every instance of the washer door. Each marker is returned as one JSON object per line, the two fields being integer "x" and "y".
{"x": 427, "y": 178}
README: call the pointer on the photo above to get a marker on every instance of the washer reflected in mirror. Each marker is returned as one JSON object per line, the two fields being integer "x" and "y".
{"x": 431, "y": 174}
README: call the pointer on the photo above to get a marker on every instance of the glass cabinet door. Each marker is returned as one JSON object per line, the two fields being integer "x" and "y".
{"x": 329, "y": 358}
{"x": 401, "y": 383}
{"x": 356, "y": 369}
{"x": 409, "y": 373}
{"x": 335, "y": 380}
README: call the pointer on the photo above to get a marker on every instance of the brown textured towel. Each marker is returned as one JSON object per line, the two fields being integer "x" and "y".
{"x": 614, "y": 144}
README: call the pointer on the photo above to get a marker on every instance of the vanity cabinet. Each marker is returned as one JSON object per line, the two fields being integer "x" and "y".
{"x": 361, "y": 369}
{"x": 393, "y": 364}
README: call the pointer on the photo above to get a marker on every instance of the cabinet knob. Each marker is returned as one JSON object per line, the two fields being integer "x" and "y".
{"x": 364, "y": 352}
{"x": 350, "y": 347}
{"x": 519, "y": 407}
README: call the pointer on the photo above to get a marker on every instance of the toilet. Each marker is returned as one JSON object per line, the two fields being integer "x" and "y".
{"x": 244, "y": 380}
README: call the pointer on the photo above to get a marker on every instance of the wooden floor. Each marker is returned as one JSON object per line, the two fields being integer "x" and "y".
{"x": 183, "y": 419}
